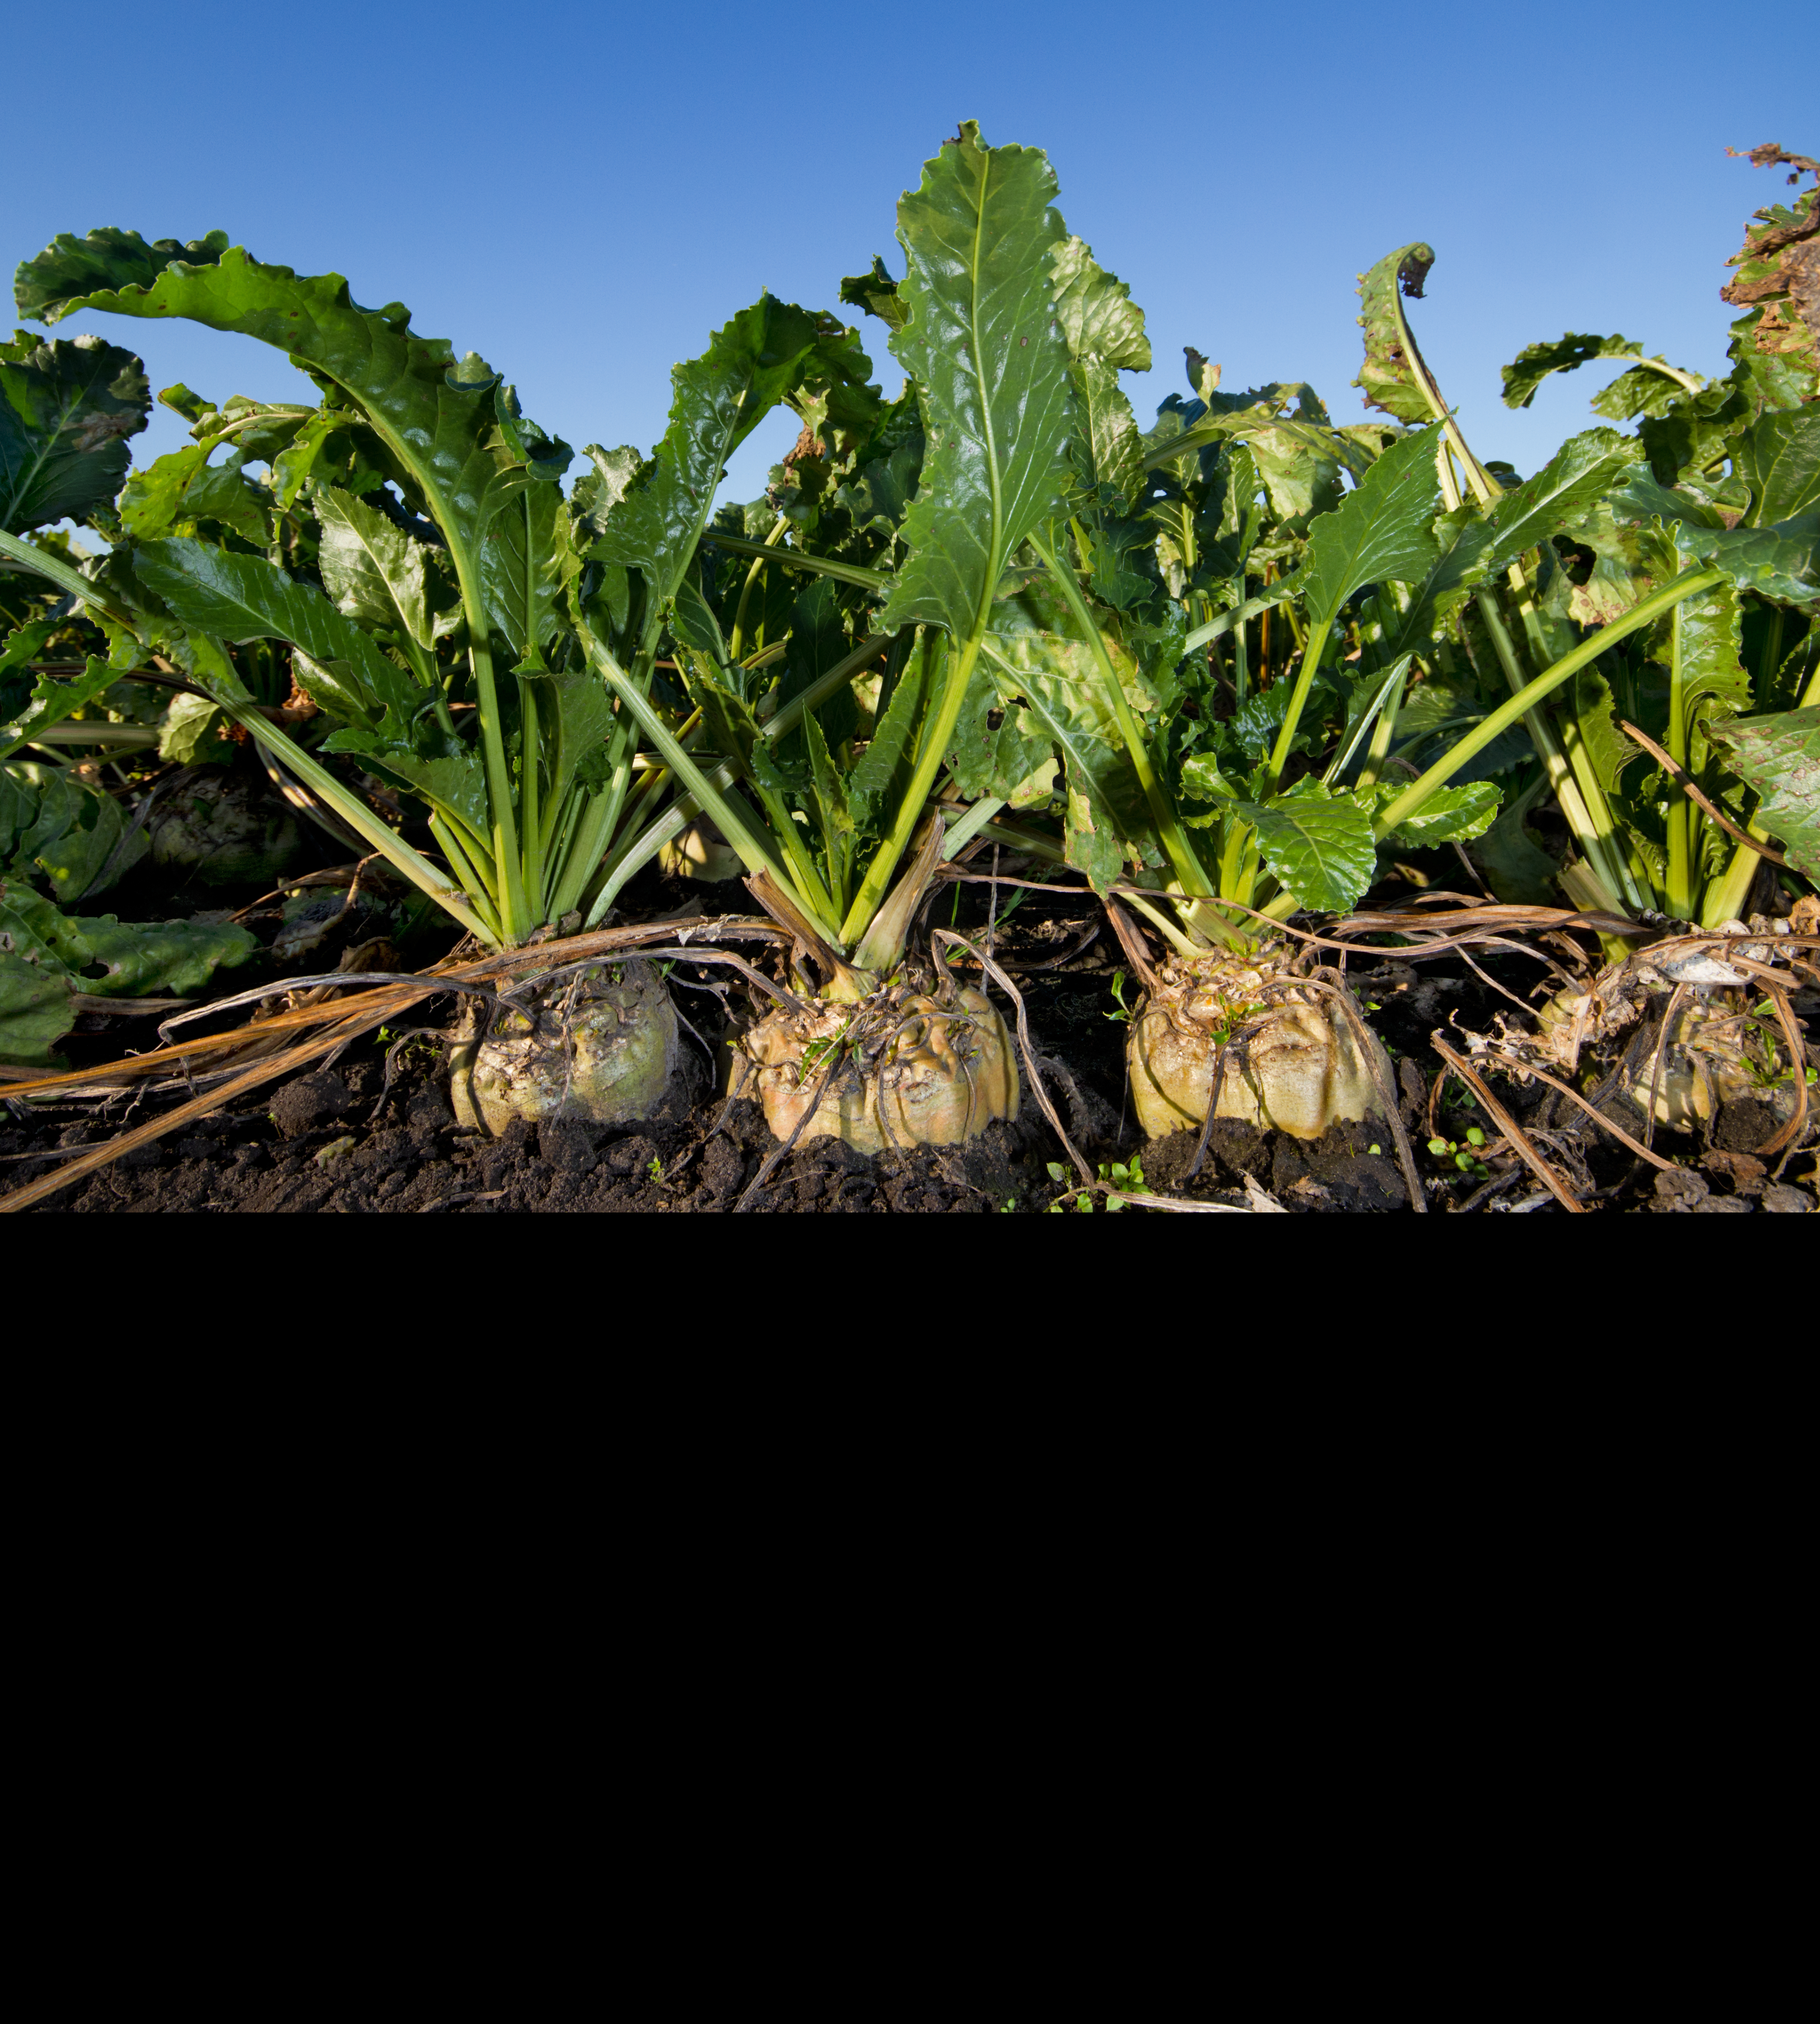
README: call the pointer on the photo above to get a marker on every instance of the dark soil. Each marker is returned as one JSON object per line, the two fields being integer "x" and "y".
{"x": 338, "y": 1139}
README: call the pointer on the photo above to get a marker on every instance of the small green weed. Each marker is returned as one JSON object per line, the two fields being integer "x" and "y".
{"x": 1465, "y": 1157}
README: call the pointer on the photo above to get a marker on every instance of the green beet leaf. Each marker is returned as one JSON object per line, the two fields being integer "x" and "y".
{"x": 1780, "y": 561}
{"x": 435, "y": 415}
{"x": 1381, "y": 530}
{"x": 66, "y": 411}
{"x": 1778, "y": 456}
{"x": 984, "y": 344}
{"x": 1580, "y": 472}
{"x": 240, "y": 597}
{"x": 69, "y": 270}
{"x": 1318, "y": 846}
{"x": 876, "y": 293}
{"x": 370, "y": 567}
{"x": 53, "y": 699}
{"x": 1779, "y": 756}
{"x": 1387, "y": 376}
{"x": 765, "y": 354}
{"x": 1105, "y": 330}
{"x": 47, "y": 957}
{"x": 1452, "y": 816}
{"x": 1535, "y": 362}
{"x": 65, "y": 830}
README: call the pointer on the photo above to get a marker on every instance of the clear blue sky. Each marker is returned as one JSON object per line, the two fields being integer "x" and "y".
{"x": 581, "y": 192}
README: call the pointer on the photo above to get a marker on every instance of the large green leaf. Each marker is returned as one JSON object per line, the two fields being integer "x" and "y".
{"x": 1012, "y": 763}
{"x": 765, "y": 353}
{"x": 527, "y": 566}
{"x": 1057, "y": 682}
{"x": 1780, "y": 757}
{"x": 1105, "y": 330}
{"x": 1452, "y": 816}
{"x": 983, "y": 343}
{"x": 1320, "y": 847}
{"x": 370, "y": 567}
{"x": 66, "y": 411}
{"x": 1581, "y": 471}
{"x": 70, "y": 270}
{"x": 1714, "y": 685}
{"x": 1473, "y": 549}
{"x": 585, "y": 722}
{"x": 436, "y": 415}
{"x": 452, "y": 782}
{"x": 240, "y": 597}
{"x": 46, "y": 958}
{"x": 1535, "y": 362}
{"x": 1387, "y": 376}
{"x": 1383, "y": 529}
{"x": 1780, "y": 561}
{"x": 1778, "y": 456}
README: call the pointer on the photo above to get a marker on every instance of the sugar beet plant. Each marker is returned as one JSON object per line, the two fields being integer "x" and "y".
{"x": 1439, "y": 612}
{"x": 1222, "y": 666}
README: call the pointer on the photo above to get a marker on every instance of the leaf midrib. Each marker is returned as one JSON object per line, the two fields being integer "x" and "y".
{"x": 995, "y": 559}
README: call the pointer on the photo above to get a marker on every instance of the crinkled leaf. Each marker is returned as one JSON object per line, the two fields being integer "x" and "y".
{"x": 585, "y": 719}
{"x": 749, "y": 365}
{"x": 1257, "y": 721}
{"x": 152, "y": 503}
{"x": 244, "y": 597}
{"x": 1714, "y": 685}
{"x": 455, "y": 782}
{"x": 877, "y": 294}
{"x": 370, "y": 567}
{"x": 54, "y": 698}
{"x": 596, "y": 493}
{"x": 71, "y": 835}
{"x": 882, "y": 772}
{"x": 1591, "y": 718}
{"x": 1778, "y": 456}
{"x": 1105, "y": 330}
{"x": 1581, "y": 471}
{"x": 1387, "y": 376}
{"x": 526, "y": 564}
{"x": 191, "y": 733}
{"x": 1383, "y": 528}
{"x": 1300, "y": 468}
{"x": 1473, "y": 549}
{"x": 66, "y": 411}
{"x": 1013, "y": 762}
{"x": 983, "y": 343}
{"x": 1107, "y": 821}
{"x": 223, "y": 493}
{"x": 435, "y": 414}
{"x": 1535, "y": 362}
{"x": 70, "y": 270}
{"x": 1779, "y": 756}
{"x": 1641, "y": 392}
{"x": 1318, "y": 846}
{"x": 1780, "y": 561}
{"x": 1451, "y": 816}
{"x": 141, "y": 958}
